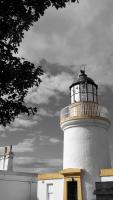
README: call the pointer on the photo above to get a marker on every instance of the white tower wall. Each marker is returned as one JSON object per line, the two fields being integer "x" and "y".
{"x": 86, "y": 147}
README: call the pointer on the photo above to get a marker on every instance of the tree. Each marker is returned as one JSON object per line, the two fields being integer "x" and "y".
{"x": 16, "y": 74}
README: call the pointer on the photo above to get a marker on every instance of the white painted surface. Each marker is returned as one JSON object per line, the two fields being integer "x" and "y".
{"x": 6, "y": 158}
{"x": 2, "y": 166}
{"x": 6, "y": 162}
{"x": 106, "y": 178}
{"x": 56, "y": 190}
{"x": 86, "y": 147}
{"x": 17, "y": 186}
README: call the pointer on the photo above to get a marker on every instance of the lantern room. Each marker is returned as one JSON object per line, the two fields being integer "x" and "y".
{"x": 84, "y": 90}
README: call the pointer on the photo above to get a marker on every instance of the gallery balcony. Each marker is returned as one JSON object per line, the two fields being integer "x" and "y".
{"x": 83, "y": 110}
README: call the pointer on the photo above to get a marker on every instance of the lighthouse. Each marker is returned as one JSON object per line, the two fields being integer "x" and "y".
{"x": 85, "y": 128}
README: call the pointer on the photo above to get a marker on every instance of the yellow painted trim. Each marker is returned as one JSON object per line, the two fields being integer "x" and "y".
{"x": 106, "y": 172}
{"x": 65, "y": 119}
{"x": 61, "y": 174}
{"x": 66, "y": 174}
{"x": 71, "y": 172}
{"x": 48, "y": 176}
{"x": 76, "y": 175}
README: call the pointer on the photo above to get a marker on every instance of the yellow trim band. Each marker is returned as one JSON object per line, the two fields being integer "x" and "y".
{"x": 106, "y": 172}
{"x": 56, "y": 175}
{"x": 76, "y": 174}
{"x": 67, "y": 175}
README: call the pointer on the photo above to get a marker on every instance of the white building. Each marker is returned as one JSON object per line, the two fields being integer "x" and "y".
{"x": 86, "y": 148}
{"x": 15, "y": 185}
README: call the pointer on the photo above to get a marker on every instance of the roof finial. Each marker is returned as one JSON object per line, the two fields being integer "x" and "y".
{"x": 82, "y": 69}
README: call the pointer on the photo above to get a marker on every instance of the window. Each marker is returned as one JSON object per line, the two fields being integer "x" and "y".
{"x": 95, "y": 98}
{"x": 83, "y": 88}
{"x": 90, "y": 88}
{"x": 90, "y": 97}
{"x": 94, "y": 88}
{"x": 84, "y": 92}
{"x": 72, "y": 91}
{"x": 83, "y": 97}
{"x": 75, "y": 95}
{"x": 76, "y": 88}
{"x": 92, "y": 93}
{"x": 50, "y": 191}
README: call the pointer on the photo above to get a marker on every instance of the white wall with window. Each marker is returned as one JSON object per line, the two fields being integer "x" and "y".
{"x": 50, "y": 189}
{"x": 50, "y": 193}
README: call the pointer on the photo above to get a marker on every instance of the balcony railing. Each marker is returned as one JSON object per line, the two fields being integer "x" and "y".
{"x": 83, "y": 110}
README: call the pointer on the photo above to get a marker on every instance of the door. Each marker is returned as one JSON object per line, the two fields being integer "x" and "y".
{"x": 72, "y": 190}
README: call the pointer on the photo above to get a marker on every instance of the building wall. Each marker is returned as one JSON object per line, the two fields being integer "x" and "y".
{"x": 86, "y": 147}
{"x": 17, "y": 187}
{"x": 6, "y": 158}
{"x": 106, "y": 178}
{"x": 57, "y": 189}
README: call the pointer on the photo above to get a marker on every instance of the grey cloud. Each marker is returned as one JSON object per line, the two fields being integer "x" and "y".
{"x": 20, "y": 122}
{"x": 3, "y": 135}
{"x": 51, "y": 86}
{"x": 36, "y": 163}
{"x": 73, "y": 34}
{"x": 47, "y": 140}
{"x": 26, "y": 146}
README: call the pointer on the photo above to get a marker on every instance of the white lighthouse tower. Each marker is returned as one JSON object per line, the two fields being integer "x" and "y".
{"x": 85, "y": 134}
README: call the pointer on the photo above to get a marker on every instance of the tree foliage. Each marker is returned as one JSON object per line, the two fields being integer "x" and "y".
{"x": 16, "y": 74}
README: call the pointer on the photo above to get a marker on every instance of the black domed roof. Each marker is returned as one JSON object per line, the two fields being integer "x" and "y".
{"x": 83, "y": 78}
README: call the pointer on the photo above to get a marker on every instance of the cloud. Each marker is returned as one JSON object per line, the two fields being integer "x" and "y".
{"x": 2, "y": 128}
{"x": 26, "y": 146}
{"x": 75, "y": 35}
{"x": 51, "y": 86}
{"x": 80, "y": 33}
{"x": 35, "y": 164}
{"x": 45, "y": 113}
{"x": 9, "y": 128}
{"x": 19, "y": 122}
{"x": 3, "y": 135}
{"x": 48, "y": 113}
{"x": 13, "y": 129}
{"x": 47, "y": 140}
{"x": 54, "y": 140}
{"x": 24, "y": 160}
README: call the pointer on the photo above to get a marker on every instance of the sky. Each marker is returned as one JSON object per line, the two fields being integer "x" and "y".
{"x": 61, "y": 42}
